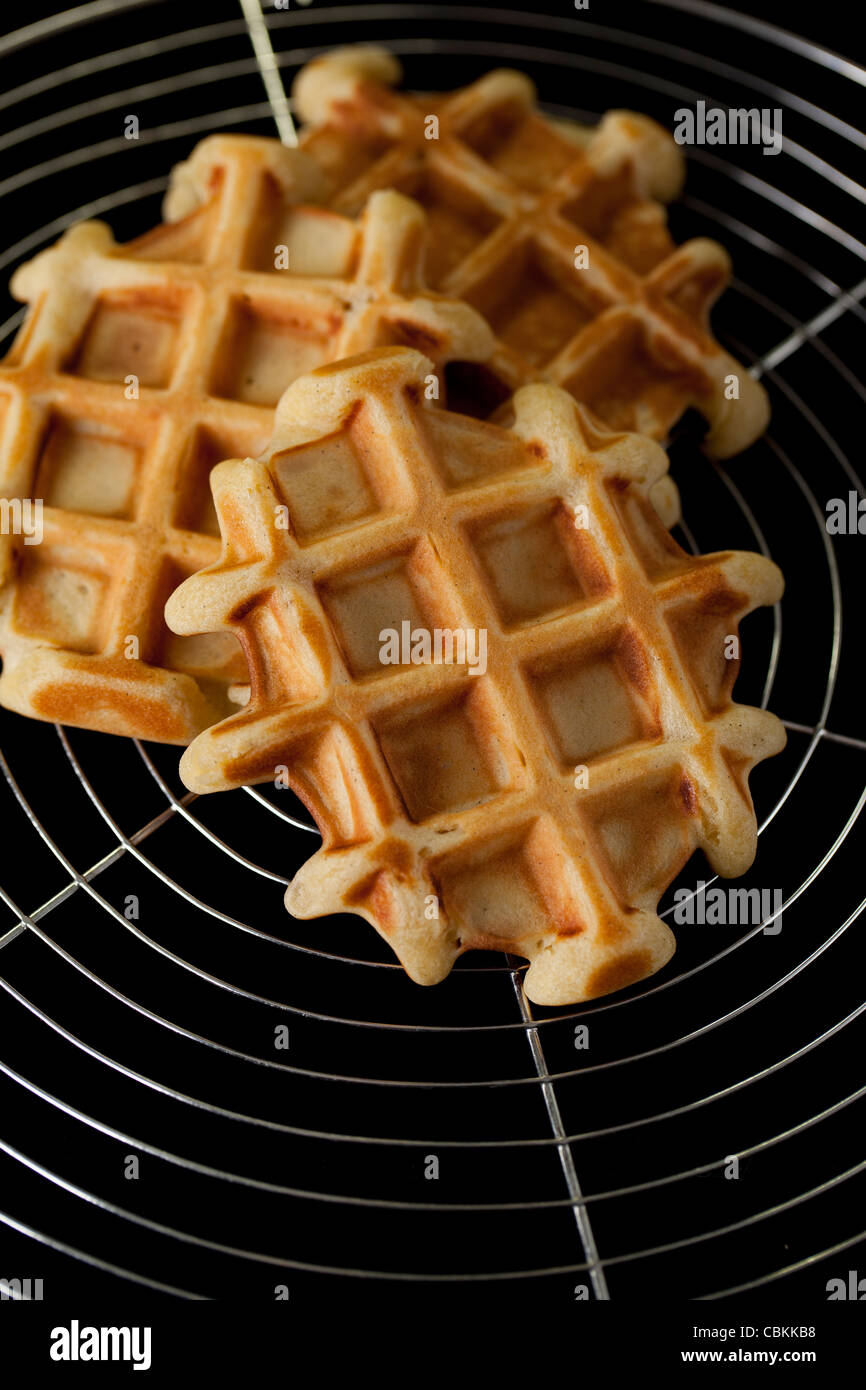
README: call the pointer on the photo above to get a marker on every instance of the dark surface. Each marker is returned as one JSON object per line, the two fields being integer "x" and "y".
{"x": 449, "y": 1071}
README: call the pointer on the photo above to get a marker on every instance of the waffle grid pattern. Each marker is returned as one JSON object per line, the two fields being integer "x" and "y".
{"x": 764, "y": 1040}
{"x": 427, "y": 780}
{"x": 512, "y": 197}
{"x": 198, "y": 319}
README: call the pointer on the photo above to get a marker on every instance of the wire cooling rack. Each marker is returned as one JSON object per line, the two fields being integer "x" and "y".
{"x": 155, "y": 1128}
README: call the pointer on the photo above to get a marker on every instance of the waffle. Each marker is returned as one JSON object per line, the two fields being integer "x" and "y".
{"x": 511, "y": 196}
{"x": 196, "y": 313}
{"x": 541, "y": 805}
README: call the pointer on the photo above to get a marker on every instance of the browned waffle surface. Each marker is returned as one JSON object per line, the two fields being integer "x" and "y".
{"x": 538, "y": 801}
{"x": 140, "y": 366}
{"x": 557, "y": 233}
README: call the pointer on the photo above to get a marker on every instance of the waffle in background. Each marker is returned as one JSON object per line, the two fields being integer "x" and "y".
{"x": 434, "y": 785}
{"x": 200, "y": 320}
{"x": 511, "y": 195}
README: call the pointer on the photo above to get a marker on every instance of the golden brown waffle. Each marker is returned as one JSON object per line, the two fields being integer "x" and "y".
{"x": 541, "y": 807}
{"x": 197, "y": 319}
{"x": 511, "y": 196}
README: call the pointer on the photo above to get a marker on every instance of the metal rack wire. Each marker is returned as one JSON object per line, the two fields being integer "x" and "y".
{"x": 149, "y": 1031}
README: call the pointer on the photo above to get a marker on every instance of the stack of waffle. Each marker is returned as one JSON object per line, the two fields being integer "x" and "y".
{"x": 435, "y": 591}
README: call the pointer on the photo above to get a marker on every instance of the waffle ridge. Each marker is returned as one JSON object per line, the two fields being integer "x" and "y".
{"x": 199, "y": 319}
{"x": 542, "y": 805}
{"x": 511, "y": 196}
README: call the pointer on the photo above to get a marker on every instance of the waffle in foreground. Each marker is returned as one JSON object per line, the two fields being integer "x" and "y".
{"x": 139, "y": 367}
{"x": 556, "y": 232}
{"x": 540, "y": 806}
